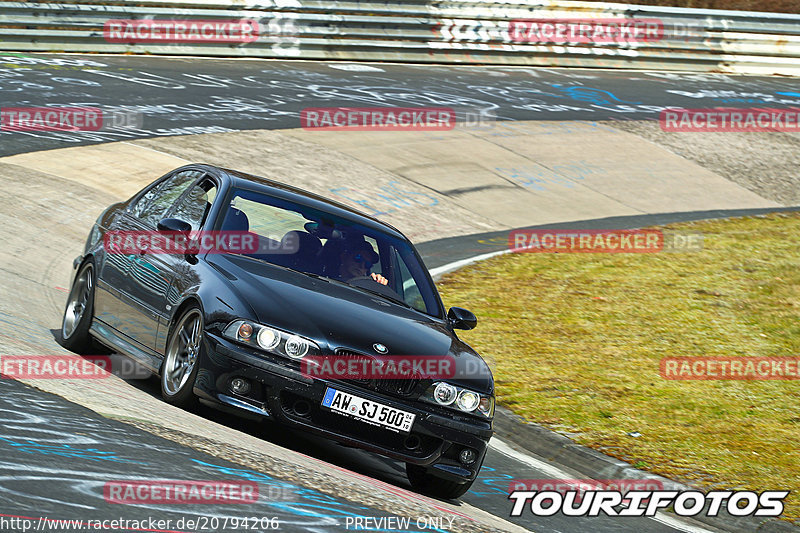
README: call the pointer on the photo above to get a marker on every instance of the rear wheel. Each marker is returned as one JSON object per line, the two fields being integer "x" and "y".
{"x": 180, "y": 361}
{"x": 78, "y": 313}
{"x": 429, "y": 484}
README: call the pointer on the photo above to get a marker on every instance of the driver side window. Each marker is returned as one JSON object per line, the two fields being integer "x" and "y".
{"x": 195, "y": 205}
{"x": 408, "y": 286}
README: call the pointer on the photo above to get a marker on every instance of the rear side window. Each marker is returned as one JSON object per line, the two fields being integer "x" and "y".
{"x": 152, "y": 207}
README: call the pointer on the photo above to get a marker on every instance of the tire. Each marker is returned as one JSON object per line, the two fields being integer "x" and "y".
{"x": 179, "y": 370}
{"x": 78, "y": 312}
{"x": 431, "y": 485}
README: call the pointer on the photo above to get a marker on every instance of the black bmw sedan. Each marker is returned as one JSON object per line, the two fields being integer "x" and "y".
{"x": 245, "y": 293}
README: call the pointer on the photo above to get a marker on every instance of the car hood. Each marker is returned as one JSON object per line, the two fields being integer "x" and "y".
{"x": 338, "y": 316}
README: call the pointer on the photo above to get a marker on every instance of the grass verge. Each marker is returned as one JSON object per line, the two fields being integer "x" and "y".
{"x": 777, "y": 6}
{"x": 575, "y": 342}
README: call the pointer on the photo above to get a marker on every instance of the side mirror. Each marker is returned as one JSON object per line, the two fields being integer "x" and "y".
{"x": 179, "y": 228}
{"x": 174, "y": 224}
{"x": 460, "y": 318}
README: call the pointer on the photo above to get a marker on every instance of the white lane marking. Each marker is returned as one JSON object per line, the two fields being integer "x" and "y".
{"x": 438, "y": 271}
{"x": 356, "y": 67}
{"x": 550, "y": 470}
{"x": 675, "y": 523}
{"x": 557, "y": 473}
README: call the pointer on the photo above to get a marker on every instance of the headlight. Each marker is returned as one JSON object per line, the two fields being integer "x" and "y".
{"x": 296, "y": 347}
{"x": 444, "y": 393}
{"x": 460, "y": 399}
{"x": 270, "y": 339}
{"x": 467, "y": 400}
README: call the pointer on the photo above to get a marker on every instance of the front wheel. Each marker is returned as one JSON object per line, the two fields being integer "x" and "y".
{"x": 180, "y": 361}
{"x": 78, "y": 313}
{"x": 429, "y": 484}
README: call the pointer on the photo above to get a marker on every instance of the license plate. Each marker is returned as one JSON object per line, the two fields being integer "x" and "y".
{"x": 371, "y": 412}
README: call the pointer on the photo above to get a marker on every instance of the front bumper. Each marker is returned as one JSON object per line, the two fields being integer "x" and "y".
{"x": 285, "y": 395}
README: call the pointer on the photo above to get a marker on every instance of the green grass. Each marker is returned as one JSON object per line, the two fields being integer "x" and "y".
{"x": 575, "y": 342}
{"x": 779, "y": 6}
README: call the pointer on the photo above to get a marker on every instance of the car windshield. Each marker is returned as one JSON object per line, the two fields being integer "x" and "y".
{"x": 318, "y": 243}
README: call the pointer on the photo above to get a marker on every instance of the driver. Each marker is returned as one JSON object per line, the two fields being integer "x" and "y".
{"x": 356, "y": 260}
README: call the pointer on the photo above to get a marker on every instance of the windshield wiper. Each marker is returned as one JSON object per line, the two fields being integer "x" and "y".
{"x": 382, "y": 295}
{"x": 309, "y": 274}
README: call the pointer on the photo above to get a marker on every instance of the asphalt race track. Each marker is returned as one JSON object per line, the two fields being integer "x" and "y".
{"x": 208, "y": 95}
{"x": 68, "y": 453}
{"x": 56, "y": 455}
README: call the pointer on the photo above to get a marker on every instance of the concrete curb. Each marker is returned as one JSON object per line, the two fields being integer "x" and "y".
{"x": 563, "y": 451}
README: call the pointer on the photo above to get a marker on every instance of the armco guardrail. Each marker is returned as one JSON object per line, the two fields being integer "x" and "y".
{"x": 467, "y": 31}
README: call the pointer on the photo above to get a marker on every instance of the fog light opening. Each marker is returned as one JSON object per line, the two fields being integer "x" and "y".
{"x": 412, "y": 442}
{"x": 240, "y": 386}
{"x": 467, "y": 456}
{"x": 301, "y": 408}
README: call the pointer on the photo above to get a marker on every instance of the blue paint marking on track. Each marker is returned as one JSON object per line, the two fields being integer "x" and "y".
{"x": 592, "y": 95}
{"x": 65, "y": 450}
{"x": 538, "y": 178}
{"x": 389, "y": 199}
{"x": 494, "y": 483}
{"x": 315, "y": 504}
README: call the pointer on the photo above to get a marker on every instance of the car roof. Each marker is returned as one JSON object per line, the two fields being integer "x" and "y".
{"x": 297, "y": 195}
